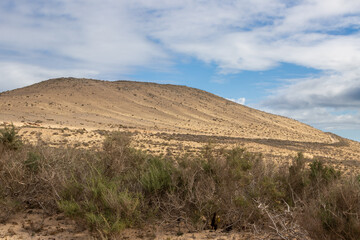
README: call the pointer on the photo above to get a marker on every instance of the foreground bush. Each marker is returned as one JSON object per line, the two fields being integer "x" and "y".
{"x": 335, "y": 213}
{"x": 9, "y": 138}
{"x": 120, "y": 187}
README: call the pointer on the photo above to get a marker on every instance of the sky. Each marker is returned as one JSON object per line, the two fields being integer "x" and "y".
{"x": 295, "y": 58}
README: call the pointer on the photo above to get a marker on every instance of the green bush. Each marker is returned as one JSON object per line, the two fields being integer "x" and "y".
{"x": 156, "y": 177}
{"x": 334, "y": 214}
{"x": 321, "y": 174}
{"x": 9, "y": 138}
{"x": 33, "y": 161}
{"x": 102, "y": 202}
{"x": 70, "y": 208}
{"x": 239, "y": 160}
{"x": 296, "y": 180}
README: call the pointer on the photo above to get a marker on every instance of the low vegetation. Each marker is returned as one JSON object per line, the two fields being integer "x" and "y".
{"x": 117, "y": 187}
{"x": 9, "y": 138}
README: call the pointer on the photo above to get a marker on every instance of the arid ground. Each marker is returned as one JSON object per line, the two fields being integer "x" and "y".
{"x": 163, "y": 119}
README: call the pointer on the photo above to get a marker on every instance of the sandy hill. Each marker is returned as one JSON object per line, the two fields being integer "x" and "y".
{"x": 180, "y": 109}
{"x": 165, "y": 117}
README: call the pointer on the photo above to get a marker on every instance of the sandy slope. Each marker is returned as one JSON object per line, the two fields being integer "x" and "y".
{"x": 170, "y": 108}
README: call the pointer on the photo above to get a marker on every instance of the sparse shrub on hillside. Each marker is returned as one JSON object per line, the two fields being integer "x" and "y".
{"x": 9, "y": 138}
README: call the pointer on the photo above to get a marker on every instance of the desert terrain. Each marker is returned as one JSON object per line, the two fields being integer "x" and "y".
{"x": 162, "y": 120}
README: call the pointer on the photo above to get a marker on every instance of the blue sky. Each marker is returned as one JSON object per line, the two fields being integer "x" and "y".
{"x": 299, "y": 59}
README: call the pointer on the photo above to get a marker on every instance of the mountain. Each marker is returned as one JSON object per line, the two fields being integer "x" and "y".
{"x": 78, "y": 102}
{"x": 166, "y": 112}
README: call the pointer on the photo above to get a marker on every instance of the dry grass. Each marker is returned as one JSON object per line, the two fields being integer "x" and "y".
{"x": 120, "y": 187}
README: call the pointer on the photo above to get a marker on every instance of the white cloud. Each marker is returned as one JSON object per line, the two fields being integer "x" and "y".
{"x": 238, "y": 100}
{"x": 337, "y": 90}
{"x": 258, "y": 35}
{"x": 321, "y": 117}
{"x": 328, "y": 101}
{"x": 65, "y": 36}
{"x": 45, "y": 39}
{"x": 15, "y": 75}
{"x": 236, "y": 35}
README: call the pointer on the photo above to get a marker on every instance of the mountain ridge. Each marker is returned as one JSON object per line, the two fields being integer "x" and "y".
{"x": 166, "y": 107}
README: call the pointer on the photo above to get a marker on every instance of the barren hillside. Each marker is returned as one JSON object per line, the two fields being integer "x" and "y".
{"x": 170, "y": 108}
{"x": 163, "y": 118}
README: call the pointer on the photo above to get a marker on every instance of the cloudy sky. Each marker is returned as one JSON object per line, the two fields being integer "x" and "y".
{"x": 296, "y": 58}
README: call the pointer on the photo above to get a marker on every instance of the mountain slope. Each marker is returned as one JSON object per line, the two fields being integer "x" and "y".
{"x": 169, "y": 108}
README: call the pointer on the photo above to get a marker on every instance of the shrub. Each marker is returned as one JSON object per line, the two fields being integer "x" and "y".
{"x": 70, "y": 208}
{"x": 32, "y": 163}
{"x": 157, "y": 176}
{"x": 118, "y": 157}
{"x": 321, "y": 174}
{"x": 9, "y": 138}
{"x": 239, "y": 160}
{"x": 101, "y": 203}
{"x": 119, "y": 187}
{"x": 329, "y": 205}
{"x": 116, "y": 142}
{"x": 335, "y": 213}
{"x": 296, "y": 180}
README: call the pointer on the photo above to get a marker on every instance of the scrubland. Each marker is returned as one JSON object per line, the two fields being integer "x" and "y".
{"x": 116, "y": 187}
